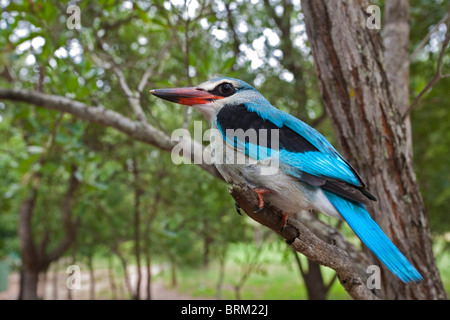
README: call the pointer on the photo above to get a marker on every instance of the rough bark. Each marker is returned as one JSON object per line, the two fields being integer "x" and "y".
{"x": 395, "y": 42}
{"x": 356, "y": 93}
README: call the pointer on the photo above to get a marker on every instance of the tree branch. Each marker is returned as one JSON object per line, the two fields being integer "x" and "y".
{"x": 292, "y": 58}
{"x": 150, "y": 69}
{"x": 438, "y": 76}
{"x": 424, "y": 41}
{"x": 304, "y": 241}
{"x": 232, "y": 28}
{"x": 69, "y": 224}
{"x": 132, "y": 97}
{"x": 27, "y": 244}
{"x": 135, "y": 129}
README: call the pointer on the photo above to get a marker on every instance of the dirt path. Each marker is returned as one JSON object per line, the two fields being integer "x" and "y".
{"x": 56, "y": 289}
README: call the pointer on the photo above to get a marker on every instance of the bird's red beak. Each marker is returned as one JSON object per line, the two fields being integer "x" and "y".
{"x": 187, "y": 96}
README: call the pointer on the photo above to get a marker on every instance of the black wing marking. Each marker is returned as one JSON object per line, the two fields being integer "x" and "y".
{"x": 344, "y": 189}
{"x": 239, "y": 117}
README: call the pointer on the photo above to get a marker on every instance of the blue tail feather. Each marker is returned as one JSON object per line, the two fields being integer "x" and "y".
{"x": 374, "y": 238}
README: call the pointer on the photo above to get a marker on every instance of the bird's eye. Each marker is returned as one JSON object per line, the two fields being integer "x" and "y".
{"x": 226, "y": 89}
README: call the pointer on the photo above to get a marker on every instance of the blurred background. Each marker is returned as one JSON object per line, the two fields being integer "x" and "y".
{"x": 87, "y": 195}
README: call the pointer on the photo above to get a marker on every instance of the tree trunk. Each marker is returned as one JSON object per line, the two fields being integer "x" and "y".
{"x": 73, "y": 259}
{"x": 315, "y": 287}
{"x": 55, "y": 281}
{"x": 222, "y": 253}
{"x": 112, "y": 281}
{"x": 395, "y": 41}
{"x": 147, "y": 234}
{"x": 29, "y": 279}
{"x": 126, "y": 276}
{"x": 30, "y": 282}
{"x": 42, "y": 284}
{"x": 91, "y": 278}
{"x": 147, "y": 252}
{"x": 36, "y": 261}
{"x": 315, "y": 282}
{"x": 137, "y": 237}
{"x": 149, "y": 274}
{"x": 173, "y": 272}
{"x": 207, "y": 241}
{"x": 367, "y": 121}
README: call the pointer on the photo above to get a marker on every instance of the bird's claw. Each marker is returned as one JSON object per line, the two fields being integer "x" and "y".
{"x": 238, "y": 208}
{"x": 259, "y": 209}
{"x": 284, "y": 217}
{"x": 260, "y": 191}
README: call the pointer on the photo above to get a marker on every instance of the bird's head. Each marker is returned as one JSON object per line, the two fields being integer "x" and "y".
{"x": 210, "y": 96}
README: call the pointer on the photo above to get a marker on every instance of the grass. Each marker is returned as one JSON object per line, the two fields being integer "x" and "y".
{"x": 442, "y": 254}
{"x": 275, "y": 278}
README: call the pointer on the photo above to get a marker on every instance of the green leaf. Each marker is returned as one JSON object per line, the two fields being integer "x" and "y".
{"x": 35, "y": 149}
{"x": 25, "y": 164}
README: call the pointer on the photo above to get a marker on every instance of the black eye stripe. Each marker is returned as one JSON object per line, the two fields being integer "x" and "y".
{"x": 225, "y": 89}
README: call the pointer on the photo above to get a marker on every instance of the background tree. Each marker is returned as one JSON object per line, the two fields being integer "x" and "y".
{"x": 354, "y": 87}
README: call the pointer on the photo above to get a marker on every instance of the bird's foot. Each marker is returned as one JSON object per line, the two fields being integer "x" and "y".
{"x": 260, "y": 191}
{"x": 284, "y": 217}
{"x": 238, "y": 208}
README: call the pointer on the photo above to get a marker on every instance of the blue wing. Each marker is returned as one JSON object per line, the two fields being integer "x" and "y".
{"x": 326, "y": 161}
{"x": 302, "y": 151}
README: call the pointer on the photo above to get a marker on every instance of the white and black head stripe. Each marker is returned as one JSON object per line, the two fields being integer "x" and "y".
{"x": 214, "y": 86}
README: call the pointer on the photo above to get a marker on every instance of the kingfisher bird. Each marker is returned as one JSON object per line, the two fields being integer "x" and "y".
{"x": 311, "y": 173}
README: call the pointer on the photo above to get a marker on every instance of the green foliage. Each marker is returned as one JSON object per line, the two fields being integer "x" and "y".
{"x": 431, "y": 118}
